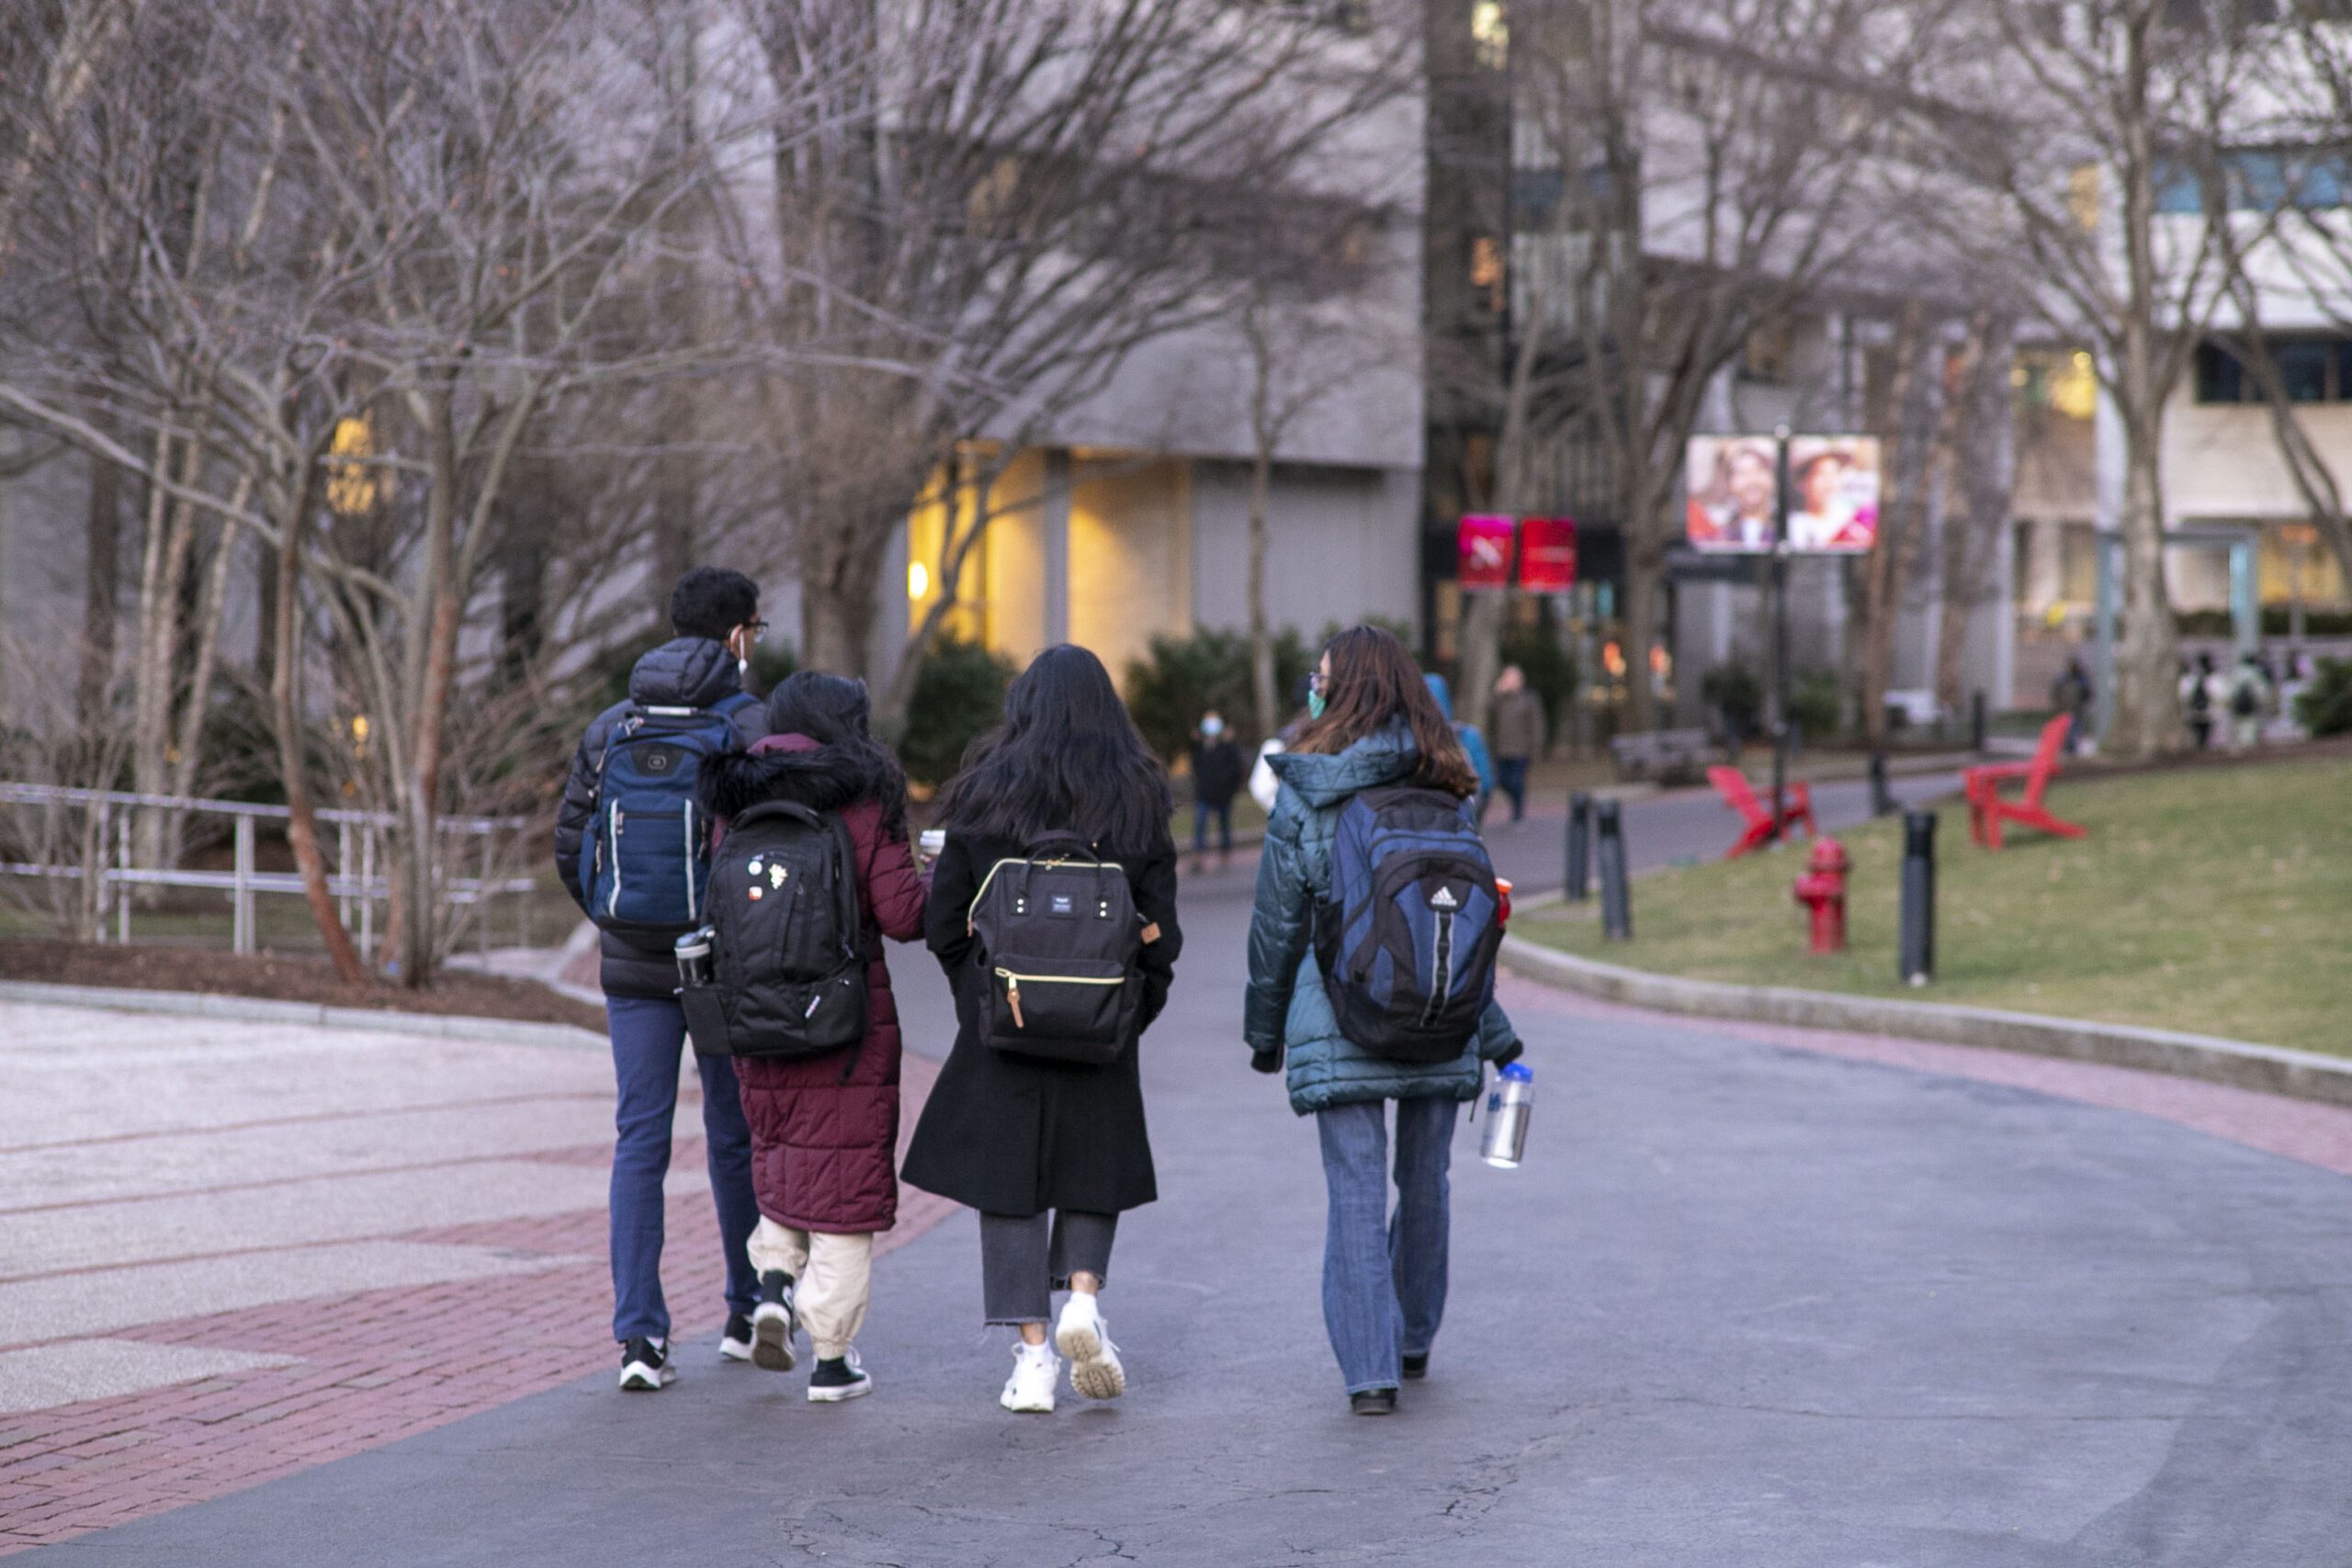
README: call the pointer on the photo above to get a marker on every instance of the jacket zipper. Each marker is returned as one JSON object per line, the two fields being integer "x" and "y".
{"x": 1013, "y": 987}
{"x": 613, "y": 832}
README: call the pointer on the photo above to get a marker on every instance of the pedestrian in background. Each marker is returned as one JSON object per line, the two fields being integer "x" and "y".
{"x": 1519, "y": 736}
{"x": 2250, "y": 691}
{"x": 2201, "y": 699}
{"x": 1384, "y": 1277}
{"x": 1217, "y": 779}
{"x": 1050, "y": 1153}
{"x": 825, "y": 1127}
{"x": 692, "y": 679}
{"x": 2070, "y": 693}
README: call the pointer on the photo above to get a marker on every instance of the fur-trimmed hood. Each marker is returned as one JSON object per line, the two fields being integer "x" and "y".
{"x": 795, "y": 768}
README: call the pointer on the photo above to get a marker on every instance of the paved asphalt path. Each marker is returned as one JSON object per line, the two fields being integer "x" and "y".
{"x": 1745, "y": 1306}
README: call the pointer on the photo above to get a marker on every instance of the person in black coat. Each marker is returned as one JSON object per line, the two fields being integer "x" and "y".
{"x": 1217, "y": 772}
{"x": 1050, "y": 1153}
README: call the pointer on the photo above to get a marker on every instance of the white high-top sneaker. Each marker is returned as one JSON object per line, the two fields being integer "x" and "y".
{"x": 1030, "y": 1390}
{"x": 1085, "y": 1339}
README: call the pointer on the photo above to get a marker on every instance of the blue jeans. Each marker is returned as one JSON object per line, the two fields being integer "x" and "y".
{"x": 648, "y": 1034}
{"x": 1383, "y": 1278}
{"x": 1202, "y": 812}
{"x": 1510, "y": 777}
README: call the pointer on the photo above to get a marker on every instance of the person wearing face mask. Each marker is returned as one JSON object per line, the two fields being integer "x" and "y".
{"x": 1217, "y": 779}
{"x": 692, "y": 683}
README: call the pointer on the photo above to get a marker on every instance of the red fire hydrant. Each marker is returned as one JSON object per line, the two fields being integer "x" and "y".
{"x": 1822, "y": 889}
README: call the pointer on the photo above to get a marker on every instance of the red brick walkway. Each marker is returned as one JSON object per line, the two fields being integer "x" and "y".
{"x": 374, "y": 1367}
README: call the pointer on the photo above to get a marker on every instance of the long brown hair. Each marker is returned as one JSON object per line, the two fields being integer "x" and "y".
{"x": 1373, "y": 682}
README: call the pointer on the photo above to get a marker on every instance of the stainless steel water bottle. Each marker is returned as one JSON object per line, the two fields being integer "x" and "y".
{"x": 694, "y": 957}
{"x": 1509, "y": 1103}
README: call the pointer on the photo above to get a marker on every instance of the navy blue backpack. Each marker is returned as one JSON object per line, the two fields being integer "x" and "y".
{"x": 651, "y": 874}
{"x": 1408, "y": 936}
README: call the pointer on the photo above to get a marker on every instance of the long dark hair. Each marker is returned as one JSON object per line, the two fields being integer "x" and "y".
{"x": 1375, "y": 684}
{"x": 1066, "y": 760}
{"x": 834, "y": 712}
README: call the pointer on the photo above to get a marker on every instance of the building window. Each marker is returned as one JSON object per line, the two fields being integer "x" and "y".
{"x": 2311, "y": 370}
{"x": 1766, "y": 354}
{"x": 1491, "y": 34}
{"x": 1486, "y": 270}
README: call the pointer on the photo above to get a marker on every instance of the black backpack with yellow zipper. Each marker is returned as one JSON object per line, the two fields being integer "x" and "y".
{"x": 1060, "y": 944}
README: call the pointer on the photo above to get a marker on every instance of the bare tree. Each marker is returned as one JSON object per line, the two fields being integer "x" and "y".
{"x": 1705, "y": 171}
{"x": 1981, "y": 463}
{"x": 977, "y": 212}
{"x": 2106, "y": 105}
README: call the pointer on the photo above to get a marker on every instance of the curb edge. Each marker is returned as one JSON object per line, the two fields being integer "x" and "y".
{"x": 264, "y": 1009}
{"x": 2267, "y": 1069}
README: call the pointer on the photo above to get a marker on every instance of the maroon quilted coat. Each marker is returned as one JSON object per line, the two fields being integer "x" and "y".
{"x": 822, "y": 1146}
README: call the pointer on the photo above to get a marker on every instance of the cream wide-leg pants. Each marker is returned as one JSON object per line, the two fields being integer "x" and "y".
{"x": 833, "y": 1277}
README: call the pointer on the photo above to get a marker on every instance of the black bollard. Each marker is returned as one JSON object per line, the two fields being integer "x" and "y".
{"x": 1579, "y": 886}
{"x": 1916, "y": 963}
{"x": 1883, "y": 803}
{"x": 1616, "y": 902}
{"x": 1976, "y": 722}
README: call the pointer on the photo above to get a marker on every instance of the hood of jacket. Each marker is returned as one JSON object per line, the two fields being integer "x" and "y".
{"x": 1322, "y": 780}
{"x": 1442, "y": 692}
{"x": 783, "y": 767}
{"x": 685, "y": 673}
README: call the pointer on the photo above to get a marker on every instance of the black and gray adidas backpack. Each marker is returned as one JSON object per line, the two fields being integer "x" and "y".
{"x": 1059, "y": 943}
{"x": 787, "y": 964}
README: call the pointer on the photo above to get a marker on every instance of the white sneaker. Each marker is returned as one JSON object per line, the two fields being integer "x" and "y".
{"x": 1030, "y": 1390}
{"x": 1085, "y": 1339}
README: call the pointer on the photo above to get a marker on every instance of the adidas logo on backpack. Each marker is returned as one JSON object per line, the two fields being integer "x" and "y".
{"x": 1408, "y": 937}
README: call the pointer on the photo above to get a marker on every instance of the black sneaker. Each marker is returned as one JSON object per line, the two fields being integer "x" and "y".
{"x": 645, "y": 1367}
{"x": 774, "y": 1324}
{"x": 1374, "y": 1402}
{"x": 839, "y": 1378}
{"x": 1417, "y": 1367}
{"x": 735, "y": 1340}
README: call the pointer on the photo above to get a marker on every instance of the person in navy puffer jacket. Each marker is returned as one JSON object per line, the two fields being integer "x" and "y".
{"x": 1383, "y": 1280}
{"x": 716, "y": 614}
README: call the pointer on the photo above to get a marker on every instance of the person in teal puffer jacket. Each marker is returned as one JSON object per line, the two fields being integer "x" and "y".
{"x": 1383, "y": 1278}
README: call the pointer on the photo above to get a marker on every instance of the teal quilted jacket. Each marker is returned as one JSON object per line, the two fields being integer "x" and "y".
{"x": 1286, "y": 1011}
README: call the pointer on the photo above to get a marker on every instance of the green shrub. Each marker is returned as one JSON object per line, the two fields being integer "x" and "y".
{"x": 1817, "y": 702}
{"x": 1734, "y": 692}
{"x": 2276, "y": 621}
{"x": 1181, "y": 678}
{"x": 2324, "y": 707}
{"x": 772, "y": 663}
{"x": 958, "y": 697}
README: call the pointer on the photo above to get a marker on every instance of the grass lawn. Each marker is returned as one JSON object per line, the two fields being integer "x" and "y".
{"x": 2217, "y": 900}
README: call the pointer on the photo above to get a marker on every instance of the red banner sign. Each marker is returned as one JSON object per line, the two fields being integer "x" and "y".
{"x": 1486, "y": 552}
{"x": 1547, "y": 555}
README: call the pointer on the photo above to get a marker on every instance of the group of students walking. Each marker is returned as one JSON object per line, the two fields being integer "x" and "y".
{"x": 1057, "y": 872}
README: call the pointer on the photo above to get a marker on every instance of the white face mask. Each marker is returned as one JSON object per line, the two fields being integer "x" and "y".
{"x": 1211, "y": 727}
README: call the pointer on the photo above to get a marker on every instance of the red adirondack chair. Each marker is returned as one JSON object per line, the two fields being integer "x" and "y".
{"x": 1987, "y": 809}
{"x": 1732, "y": 785}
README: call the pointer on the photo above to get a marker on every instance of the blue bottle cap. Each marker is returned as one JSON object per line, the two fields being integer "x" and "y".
{"x": 1519, "y": 1072}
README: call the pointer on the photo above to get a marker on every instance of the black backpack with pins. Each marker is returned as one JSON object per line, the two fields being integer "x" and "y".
{"x": 787, "y": 960}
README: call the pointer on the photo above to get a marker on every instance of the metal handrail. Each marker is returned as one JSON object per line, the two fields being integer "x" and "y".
{"x": 243, "y": 884}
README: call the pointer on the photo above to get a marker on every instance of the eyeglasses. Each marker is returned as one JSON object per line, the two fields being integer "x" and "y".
{"x": 757, "y": 629}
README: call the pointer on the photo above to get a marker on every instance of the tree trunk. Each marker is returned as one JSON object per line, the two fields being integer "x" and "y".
{"x": 101, "y": 582}
{"x": 1985, "y": 459}
{"x": 293, "y": 763}
{"x": 1912, "y": 396}
{"x": 841, "y": 569}
{"x": 1263, "y": 697}
{"x": 2145, "y": 722}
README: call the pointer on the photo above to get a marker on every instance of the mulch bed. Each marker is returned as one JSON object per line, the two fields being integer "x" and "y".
{"x": 455, "y": 992}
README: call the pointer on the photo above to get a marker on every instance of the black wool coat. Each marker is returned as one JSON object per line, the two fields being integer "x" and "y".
{"x": 1010, "y": 1134}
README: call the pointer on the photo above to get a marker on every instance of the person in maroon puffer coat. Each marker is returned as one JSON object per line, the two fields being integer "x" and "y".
{"x": 825, "y": 1129}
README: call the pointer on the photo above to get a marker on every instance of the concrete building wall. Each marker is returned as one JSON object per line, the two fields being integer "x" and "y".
{"x": 1342, "y": 544}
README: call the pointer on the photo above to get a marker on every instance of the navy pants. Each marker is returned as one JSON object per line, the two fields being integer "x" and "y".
{"x": 1511, "y": 775}
{"x": 1384, "y": 1276}
{"x": 648, "y": 1034}
{"x": 1203, "y": 810}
